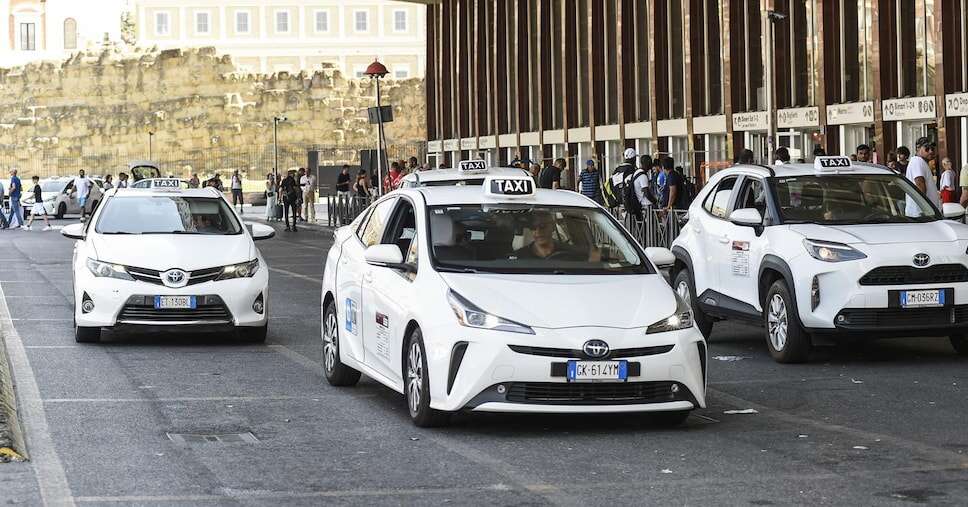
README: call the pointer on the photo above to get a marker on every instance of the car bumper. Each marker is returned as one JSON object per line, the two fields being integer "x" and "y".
{"x": 121, "y": 303}
{"x": 481, "y": 372}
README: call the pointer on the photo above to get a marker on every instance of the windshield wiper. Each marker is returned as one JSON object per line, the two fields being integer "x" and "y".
{"x": 118, "y": 233}
{"x": 455, "y": 270}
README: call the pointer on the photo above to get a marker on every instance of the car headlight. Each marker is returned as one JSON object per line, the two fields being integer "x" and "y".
{"x": 829, "y": 251}
{"x": 107, "y": 270}
{"x": 241, "y": 270}
{"x": 469, "y": 315}
{"x": 682, "y": 319}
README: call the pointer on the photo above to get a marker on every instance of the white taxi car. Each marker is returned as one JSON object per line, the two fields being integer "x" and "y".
{"x": 503, "y": 298}
{"x": 169, "y": 259}
{"x": 467, "y": 172}
{"x": 820, "y": 251}
{"x": 60, "y": 198}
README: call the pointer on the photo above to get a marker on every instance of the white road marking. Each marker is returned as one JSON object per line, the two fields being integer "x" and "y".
{"x": 262, "y": 494}
{"x": 51, "y": 478}
{"x": 298, "y": 358}
{"x": 42, "y": 320}
{"x": 51, "y": 347}
{"x": 296, "y": 275}
{"x": 191, "y": 399}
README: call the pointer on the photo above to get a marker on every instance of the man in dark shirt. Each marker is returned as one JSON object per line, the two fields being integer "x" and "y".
{"x": 550, "y": 177}
{"x": 343, "y": 181}
{"x": 544, "y": 245}
{"x": 290, "y": 198}
{"x": 673, "y": 194}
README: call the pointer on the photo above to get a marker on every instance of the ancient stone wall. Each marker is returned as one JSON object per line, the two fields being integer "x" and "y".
{"x": 95, "y": 112}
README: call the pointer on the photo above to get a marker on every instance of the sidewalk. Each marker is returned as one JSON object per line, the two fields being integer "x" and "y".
{"x": 258, "y": 214}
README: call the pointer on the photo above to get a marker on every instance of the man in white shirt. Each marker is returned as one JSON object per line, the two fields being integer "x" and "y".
{"x": 237, "y": 199}
{"x": 643, "y": 192}
{"x": 919, "y": 173}
{"x": 308, "y": 184}
{"x": 82, "y": 185}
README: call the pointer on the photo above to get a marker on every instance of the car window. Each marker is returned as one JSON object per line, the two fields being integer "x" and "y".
{"x": 717, "y": 202}
{"x": 167, "y": 215}
{"x": 376, "y": 224}
{"x": 404, "y": 228}
{"x": 752, "y": 196}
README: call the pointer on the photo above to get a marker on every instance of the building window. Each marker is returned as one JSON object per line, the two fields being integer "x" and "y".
{"x": 242, "y": 22}
{"x": 322, "y": 21}
{"x": 399, "y": 21}
{"x": 201, "y": 22}
{"x": 162, "y": 25}
{"x": 70, "y": 33}
{"x": 360, "y": 71}
{"x": 361, "y": 21}
{"x": 401, "y": 71}
{"x": 282, "y": 22}
{"x": 28, "y": 36}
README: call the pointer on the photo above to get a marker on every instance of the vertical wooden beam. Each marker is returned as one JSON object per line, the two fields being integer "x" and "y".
{"x": 565, "y": 89}
{"x": 539, "y": 87}
{"x": 496, "y": 96}
{"x": 439, "y": 71}
{"x": 939, "y": 75}
{"x": 725, "y": 40}
{"x": 515, "y": 94}
{"x": 653, "y": 103}
{"x": 591, "y": 77}
{"x": 620, "y": 64}
{"x": 472, "y": 52}
{"x": 686, "y": 42}
{"x": 876, "y": 68}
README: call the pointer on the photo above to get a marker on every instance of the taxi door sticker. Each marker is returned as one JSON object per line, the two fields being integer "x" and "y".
{"x": 740, "y": 258}
{"x": 350, "y": 317}
{"x": 382, "y": 335}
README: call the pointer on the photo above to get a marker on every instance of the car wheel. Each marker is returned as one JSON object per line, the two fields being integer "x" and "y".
{"x": 787, "y": 340}
{"x": 252, "y": 334}
{"x": 61, "y": 211}
{"x": 337, "y": 373}
{"x": 417, "y": 385}
{"x": 686, "y": 289}
{"x": 960, "y": 343}
{"x": 87, "y": 334}
{"x": 669, "y": 419}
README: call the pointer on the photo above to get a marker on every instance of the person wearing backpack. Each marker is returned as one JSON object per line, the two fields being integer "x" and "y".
{"x": 639, "y": 197}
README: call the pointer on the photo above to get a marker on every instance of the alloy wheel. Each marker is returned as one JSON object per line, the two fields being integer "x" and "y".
{"x": 414, "y": 377}
{"x": 330, "y": 343}
{"x": 683, "y": 290}
{"x": 777, "y": 322}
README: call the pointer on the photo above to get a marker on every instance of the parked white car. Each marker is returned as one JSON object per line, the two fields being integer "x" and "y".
{"x": 503, "y": 298}
{"x": 60, "y": 198}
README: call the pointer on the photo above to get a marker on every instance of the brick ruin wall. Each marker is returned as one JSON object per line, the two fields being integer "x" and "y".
{"x": 94, "y": 111}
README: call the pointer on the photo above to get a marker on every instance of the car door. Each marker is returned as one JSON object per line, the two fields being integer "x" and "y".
{"x": 740, "y": 268}
{"x": 712, "y": 236}
{"x": 349, "y": 277}
{"x": 70, "y": 197}
{"x": 387, "y": 292}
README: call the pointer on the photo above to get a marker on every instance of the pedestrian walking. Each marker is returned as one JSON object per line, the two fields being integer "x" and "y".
{"x": 216, "y": 183}
{"x": 903, "y": 159}
{"x": 640, "y": 198}
{"x": 194, "y": 182}
{"x": 919, "y": 173}
{"x": 290, "y": 198}
{"x": 590, "y": 182}
{"x": 673, "y": 193}
{"x": 362, "y": 186}
{"x": 301, "y": 179}
{"x": 863, "y": 153}
{"x": 392, "y": 179}
{"x": 550, "y": 177}
{"x": 38, "y": 208}
{"x": 343, "y": 182}
{"x": 533, "y": 169}
{"x": 949, "y": 189}
{"x": 122, "y": 180}
{"x": 3, "y": 216}
{"x": 82, "y": 189}
{"x": 272, "y": 191}
{"x": 236, "y": 184}
{"x": 108, "y": 182}
{"x": 566, "y": 179}
{"x": 309, "y": 197}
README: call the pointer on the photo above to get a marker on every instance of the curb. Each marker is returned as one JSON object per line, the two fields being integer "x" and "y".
{"x": 8, "y": 408}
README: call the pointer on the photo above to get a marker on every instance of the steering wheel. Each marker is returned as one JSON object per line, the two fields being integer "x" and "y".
{"x": 564, "y": 255}
{"x": 875, "y": 215}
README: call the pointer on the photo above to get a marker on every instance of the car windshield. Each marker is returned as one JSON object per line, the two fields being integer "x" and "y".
{"x": 167, "y": 215}
{"x": 52, "y": 186}
{"x": 851, "y": 199}
{"x": 531, "y": 239}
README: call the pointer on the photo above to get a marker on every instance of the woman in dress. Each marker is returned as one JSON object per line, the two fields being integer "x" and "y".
{"x": 272, "y": 192}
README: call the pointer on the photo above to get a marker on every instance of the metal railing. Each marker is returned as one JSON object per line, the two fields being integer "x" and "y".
{"x": 343, "y": 209}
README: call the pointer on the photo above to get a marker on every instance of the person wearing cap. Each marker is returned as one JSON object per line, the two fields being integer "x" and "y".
{"x": 863, "y": 153}
{"x": 919, "y": 173}
{"x": 589, "y": 183}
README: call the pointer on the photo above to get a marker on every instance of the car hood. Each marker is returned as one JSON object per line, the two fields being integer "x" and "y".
{"x": 164, "y": 251}
{"x": 881, "y": 234}
{"x": 563, "y": 301}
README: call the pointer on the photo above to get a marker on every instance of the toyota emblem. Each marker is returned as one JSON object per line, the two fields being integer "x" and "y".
{"x": 921, "y": 260}
{"x": 175, "y": 278}
{"x": 595, "y": 349}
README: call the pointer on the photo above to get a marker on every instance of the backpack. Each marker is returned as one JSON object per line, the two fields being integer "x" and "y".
{"x": 612, "y": 191}
{"x": 688, "y": 192}
{"x": 630, "y": 200}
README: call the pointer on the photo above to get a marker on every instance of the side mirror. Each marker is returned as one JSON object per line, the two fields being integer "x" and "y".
{"x": 260, "y": 231}
{"x": 952, "y": 210}
{"x": 749, "y": 217}
{"x": 661, "y": 257}
{"x": 73, "y": 231}
{"x": 388, "y": 256}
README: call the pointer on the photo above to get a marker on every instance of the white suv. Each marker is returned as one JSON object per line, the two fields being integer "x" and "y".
{"x": 837, "y": 248}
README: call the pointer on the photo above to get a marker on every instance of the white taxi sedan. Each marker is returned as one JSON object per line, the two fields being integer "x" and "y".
{"x": 169, "y": 259}
{"x": 467, "y": 172}
{"x": 502, "y": 298}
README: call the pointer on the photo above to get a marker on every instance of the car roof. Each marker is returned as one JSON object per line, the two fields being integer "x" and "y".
{"x": 458, "y": 175}
{"x": 442, "y": 196}
{"x": 786, "y": 170}
{"x": 208, "y": 192}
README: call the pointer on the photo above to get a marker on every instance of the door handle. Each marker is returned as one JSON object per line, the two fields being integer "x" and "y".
{"x": 724, "y": 239}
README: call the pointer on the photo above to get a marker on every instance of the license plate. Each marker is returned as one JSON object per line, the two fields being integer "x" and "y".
{"x": 170, "y": 302}
{"x": 597, "y": 371}
{"x": 920, "y": 298}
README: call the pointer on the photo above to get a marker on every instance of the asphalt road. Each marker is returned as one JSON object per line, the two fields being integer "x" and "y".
{"x": 883, "y": 423}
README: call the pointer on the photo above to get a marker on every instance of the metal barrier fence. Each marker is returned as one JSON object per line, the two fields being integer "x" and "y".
{"x": 343, "y": 209}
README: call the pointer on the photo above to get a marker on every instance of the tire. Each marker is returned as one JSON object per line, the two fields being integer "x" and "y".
{"x": 669, "y": 419}
{"x": 960, "y": 343}
{"x": 785, "y": 337}
{"x": 337, "y": 373}
{"x": 61, "y": 211}
{"x": 416, "y": 385}
{"x": 252, "y": 334}
{"x": 686, "y": 288}
{"x": 87, "y": 334}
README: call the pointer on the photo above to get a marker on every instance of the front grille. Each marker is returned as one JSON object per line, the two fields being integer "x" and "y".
{"x": 210, "y": 309}
{"x": 578, "y": 354}
{"x": 600, "y": 393}
{"x": 902, "y": 318}
{"x": 153, "y": 276}
{"x": 910, "y": 275}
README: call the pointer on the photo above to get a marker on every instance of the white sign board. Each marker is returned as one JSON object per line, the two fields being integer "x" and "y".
{"x": 452, "y": 145}
{"x": 913, "y": 108}
{"x": 846, "y": 114}
{"x": 468, "y": 143}
{"x": 798, "y": 117}
{"x": 956, "y": 104}
{"x": 756, "y": 120}
{"x": 434, "y": 146}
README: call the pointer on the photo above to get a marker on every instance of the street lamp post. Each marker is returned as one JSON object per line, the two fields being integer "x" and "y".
{"x": 150, "y": 136}
{"x": 772, "y": 17}
{"x": 275, "y": 145}
{"x": 377, "y": 71}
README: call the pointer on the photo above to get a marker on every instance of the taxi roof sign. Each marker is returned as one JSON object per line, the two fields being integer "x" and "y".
{"x": 466, "y": 166}
{"x": 166, "y": 183}
{"x": 832, "y": 164}
{"x": 509, "y": 186}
